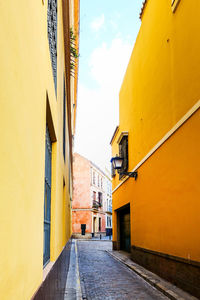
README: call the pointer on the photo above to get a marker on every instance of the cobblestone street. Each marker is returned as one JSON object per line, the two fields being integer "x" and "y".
{"x": 105, "y": 278}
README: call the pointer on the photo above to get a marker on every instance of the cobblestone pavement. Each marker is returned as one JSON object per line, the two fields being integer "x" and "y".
{"x": 106, "y": 278}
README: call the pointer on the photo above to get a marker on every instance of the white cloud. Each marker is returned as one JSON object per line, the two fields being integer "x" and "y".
{"x": 114, "y": 20}
{"x": 113, "y": 24}
{"x": 108, "y": 63}
{"x": 97, "y": 114}
{"x": 98, "y": 23}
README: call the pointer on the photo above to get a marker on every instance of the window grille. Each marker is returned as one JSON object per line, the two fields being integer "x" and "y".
{"x": 52, "y": 36}
{"x": 64, "y": 119}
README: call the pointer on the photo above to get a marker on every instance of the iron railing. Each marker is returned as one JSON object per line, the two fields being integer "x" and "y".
{"x": 96, "y": 204}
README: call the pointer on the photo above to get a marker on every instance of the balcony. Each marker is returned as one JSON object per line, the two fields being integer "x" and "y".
{"x": 96, "y": 204}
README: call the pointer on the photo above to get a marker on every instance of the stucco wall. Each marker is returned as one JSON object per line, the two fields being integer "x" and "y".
{"x": 81, "y": 182}
{"x": 84, "y": 187}
{"x": 26, "y": 80}
{"x": 164, "y": 200}
{"x": 160, "y": 86}
{"x": 81, "y": 217}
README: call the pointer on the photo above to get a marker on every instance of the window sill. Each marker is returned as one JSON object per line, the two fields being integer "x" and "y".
{"x": 47, "y": 269}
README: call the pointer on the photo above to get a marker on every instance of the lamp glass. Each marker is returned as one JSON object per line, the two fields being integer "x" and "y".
{"x": 117, "y": 162}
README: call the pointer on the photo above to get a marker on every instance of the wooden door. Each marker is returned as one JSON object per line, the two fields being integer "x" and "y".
{"x": 125, "y": 242}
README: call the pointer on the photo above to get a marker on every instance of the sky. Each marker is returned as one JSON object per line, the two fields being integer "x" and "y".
{"x": 108, "y": 30}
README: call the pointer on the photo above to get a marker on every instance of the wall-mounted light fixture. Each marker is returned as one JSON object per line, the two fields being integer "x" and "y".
{"x": 117, "y": 163}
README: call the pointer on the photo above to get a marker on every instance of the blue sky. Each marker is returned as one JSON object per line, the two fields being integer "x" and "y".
{"x": 108, "y": 29}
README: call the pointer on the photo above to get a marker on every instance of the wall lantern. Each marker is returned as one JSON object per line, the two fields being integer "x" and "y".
{"x": 117, "y": 163}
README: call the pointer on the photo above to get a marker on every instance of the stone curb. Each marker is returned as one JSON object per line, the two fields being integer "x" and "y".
{"x": 84, "y": 295}
{"x": 81, "y": 278}
{"x": 160, "y": 284}
{"x": 73, "y": 283}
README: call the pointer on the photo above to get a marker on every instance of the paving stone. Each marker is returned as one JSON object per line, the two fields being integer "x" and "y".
{"x": 105, "y": 278}
{"x": 167, "y": 288}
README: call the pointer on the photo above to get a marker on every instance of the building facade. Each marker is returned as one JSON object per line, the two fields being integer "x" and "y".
{"x": 108, "y": 195}
{"x": 37, "y": 117}
{"x": 89, "y": 208}
{"x": 156, "y": 217}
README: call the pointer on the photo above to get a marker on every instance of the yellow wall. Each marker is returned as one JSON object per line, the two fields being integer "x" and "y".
{"x": 160, "y": 86}
{"x": 25, "y": 81}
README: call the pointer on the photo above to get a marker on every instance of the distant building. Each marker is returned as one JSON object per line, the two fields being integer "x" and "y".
{"x": 91, "y": 216}
{"x": 108, "y": 195}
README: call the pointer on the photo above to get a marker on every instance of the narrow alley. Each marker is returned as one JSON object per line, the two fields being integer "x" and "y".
{"x": 99, "y": 150}
{"x": 102, "y": 277}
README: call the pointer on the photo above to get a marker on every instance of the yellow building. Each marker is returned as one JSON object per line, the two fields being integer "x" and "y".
{"x": 156, "y": 217}
{"x": 37, "y": 120}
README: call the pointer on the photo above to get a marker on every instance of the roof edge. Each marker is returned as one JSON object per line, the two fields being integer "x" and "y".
{"x": 114, "y": 134}
{"x": 143, "y": 8}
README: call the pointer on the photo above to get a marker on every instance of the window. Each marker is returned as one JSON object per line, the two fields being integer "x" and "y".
{"x": 123, "y": 152}
{"x": 109, "y": 222}
{"x": 113, "y": 173}
{"x": 94, "y": 196}
{"x": 100, "y": 198}
{"x": 52, "y": 36}
{"x": 93, "y": 178}
{"x": 98, "y": 180}
{"x": 64, "y": 118}
{"x": 175, "y": 4}
{"x": 108, "y": 188}
{"x": 47, "y": 198}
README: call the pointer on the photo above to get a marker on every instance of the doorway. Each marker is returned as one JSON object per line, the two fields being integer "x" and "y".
{"x": 94, "y": 225}
{"x": 99, "y": 224}
{"x": 124, "y": 229}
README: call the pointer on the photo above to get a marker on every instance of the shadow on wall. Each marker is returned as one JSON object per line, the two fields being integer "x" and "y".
{"x": 53, "y": 288}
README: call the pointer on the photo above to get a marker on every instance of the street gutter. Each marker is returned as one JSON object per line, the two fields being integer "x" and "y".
{"x": 73, "y": 285}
